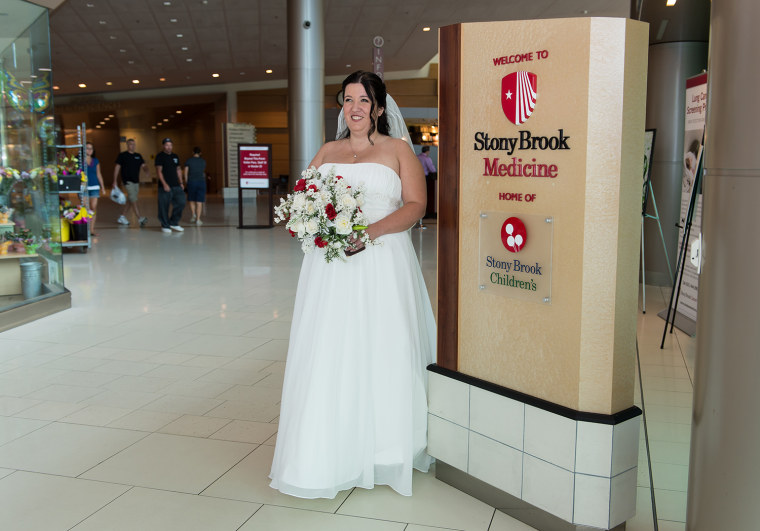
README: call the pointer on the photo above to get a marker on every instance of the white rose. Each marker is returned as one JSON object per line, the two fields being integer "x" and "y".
{"x": 307, "y": 245}
{"x": 347, "y": 202}
{"x": 343, "y": 224}
{"x": 299, "y": 202}
{"x": 298, "y": 227}
{"x": 310, "y": 208}
{"x": 312, "y": 227}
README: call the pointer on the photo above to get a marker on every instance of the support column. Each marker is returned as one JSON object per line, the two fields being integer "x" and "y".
{"x": 724, "y": 463}
{"x": 306, "y": 82}
{"x": 232, "y": 105}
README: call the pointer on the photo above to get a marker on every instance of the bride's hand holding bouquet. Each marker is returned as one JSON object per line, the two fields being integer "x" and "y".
{"x": 325, "y": 212}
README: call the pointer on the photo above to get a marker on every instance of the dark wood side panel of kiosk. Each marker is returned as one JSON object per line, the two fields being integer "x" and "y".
{"x": 449, "y": 92}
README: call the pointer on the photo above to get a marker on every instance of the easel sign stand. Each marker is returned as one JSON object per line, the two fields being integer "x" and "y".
{"x": 255, "y": 172}
{"x": 531, "y": 399}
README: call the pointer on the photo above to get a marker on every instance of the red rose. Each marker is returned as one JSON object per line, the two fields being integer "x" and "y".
{"x": 319, "y": 242}
{"x": 292, "y": 234}
{"x": 338, "y": 177}
{"x": 330, "y": 211}
{"x": 300, "y": 185}
{"x": 313, "y": 187}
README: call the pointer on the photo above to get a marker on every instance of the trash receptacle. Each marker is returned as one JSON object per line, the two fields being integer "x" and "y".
{"x": 31, "y": 279}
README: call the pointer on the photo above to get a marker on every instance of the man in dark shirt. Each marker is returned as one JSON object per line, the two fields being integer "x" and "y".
{"x": 130, "y": 163}
{"x": 171, "y": 189}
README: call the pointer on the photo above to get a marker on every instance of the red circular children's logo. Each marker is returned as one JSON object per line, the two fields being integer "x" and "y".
{"x": 513, "y": 235}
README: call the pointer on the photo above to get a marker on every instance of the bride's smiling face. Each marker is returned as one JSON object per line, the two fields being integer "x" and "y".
{"x": 357, "y": 108}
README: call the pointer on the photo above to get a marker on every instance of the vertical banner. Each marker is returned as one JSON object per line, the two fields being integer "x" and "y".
{"x": 694, "y": 126}
{"x": 235, "y": 134}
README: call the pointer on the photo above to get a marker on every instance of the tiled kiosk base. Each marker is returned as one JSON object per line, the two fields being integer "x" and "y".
{"x": 578, "y": 469}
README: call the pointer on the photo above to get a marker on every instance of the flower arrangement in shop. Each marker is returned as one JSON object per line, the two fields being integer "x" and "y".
{"x": 75, "y": 214}
{"x": 5, "y": 214}
{"x": 68, "y": 166}
{"x": 23, "y": 241}
{"x": 8, "y": 177}
{"x": 324, "y": 212}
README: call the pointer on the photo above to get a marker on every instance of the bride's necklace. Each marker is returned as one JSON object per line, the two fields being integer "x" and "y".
{"x": 356, "y": 155}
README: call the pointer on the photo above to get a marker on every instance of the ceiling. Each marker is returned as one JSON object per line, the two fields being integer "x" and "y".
{"x": 97, "y": 42}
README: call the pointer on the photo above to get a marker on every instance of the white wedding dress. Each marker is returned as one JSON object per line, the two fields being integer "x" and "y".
{"x": 354, "y": 400}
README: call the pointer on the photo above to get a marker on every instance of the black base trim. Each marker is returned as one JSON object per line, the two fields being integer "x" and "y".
{"x": 599, "y": 418}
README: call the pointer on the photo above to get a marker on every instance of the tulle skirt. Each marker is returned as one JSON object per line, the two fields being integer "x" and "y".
{"x": 354, "y": 400}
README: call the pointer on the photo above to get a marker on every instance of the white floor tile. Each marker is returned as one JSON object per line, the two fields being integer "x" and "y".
{"x": 39, "y": 501}
{"x": 433, "y": 503}
{"x": 156, "y": 510}
{"x": 287, "y": 519}
{"x": 246, "y": 431}
{"x": 144, "y": 420}
{"x": 13, "y": 428}
{"x": 10, "y": 405}
{"x": 96, "y": 415}
{"x": 171, "y": 462}
{"x": 249, "y": 481}
{"x": 195, "y": 426}
{"x": 187, "y": 405}
{"x": 65, "y": 449}
{"x": 49, "y": 410}
{"x": 504, "y": 522}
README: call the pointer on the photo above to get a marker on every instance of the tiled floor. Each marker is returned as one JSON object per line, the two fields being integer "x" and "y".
{"x": 153, "y": 402}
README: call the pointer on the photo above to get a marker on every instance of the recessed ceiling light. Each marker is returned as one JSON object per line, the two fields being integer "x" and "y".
{"x": 56, "y": 87}
{"x": 97, "y": 127}
{"x": 90, "y": 5}
{"x": 130, "y": 62}
{"x": 110, "y": 115}
{"x": 184, "y": 48}
{"x": 42, "y": 69}
{"x": 136, "y": 81}
{"x": 101, "y": 22}
{"x": 670, "y": 3}
{"x": 348, "y": 66}
{"x": 215, "y": 75}
{"x": 179, "y": 35}
{"x": 106, "y": 119}
{"x": 426, "y": 28}
{"x": 152, "y": 126}
{"x": 109, "y": 83}
{"x": 242, "y": 73}
{"x": 102, "y": 122}
{"x": 268, "y": 70}
{"x": 189, "y": 59}
{"x": 166, "y": 119}
{"x": 172, "y": 20}
{"x": 112, "y": 37}
{"x": 82, "y": 85}
{"x": 122, "y": 50}
{"x": 178, "y": 112}
{"x": 167, "y": 3}
{"x": 162, "y": 79}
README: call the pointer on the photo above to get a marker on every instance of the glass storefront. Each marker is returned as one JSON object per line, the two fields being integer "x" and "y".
{"x": 31, "y": 268}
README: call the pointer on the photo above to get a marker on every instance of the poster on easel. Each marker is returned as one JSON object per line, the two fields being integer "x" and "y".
{"x": 694, "y": 126}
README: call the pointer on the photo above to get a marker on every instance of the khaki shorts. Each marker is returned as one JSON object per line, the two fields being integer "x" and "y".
{"x": 132, "y": 189}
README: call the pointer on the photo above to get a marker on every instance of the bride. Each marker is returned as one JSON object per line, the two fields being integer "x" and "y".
{"x": 354, "y": 406}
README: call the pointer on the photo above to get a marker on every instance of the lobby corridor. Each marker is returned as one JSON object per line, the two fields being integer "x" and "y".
{"x": 153, "y": 402}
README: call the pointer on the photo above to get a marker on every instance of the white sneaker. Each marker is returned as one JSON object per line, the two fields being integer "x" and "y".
{"x": 165, "y": 229}
{"x": 192, "y": 219}
{"x": 143, "y": 221}
{"x": 122, "y": 220}
{"x": 198, "y": 222}
{"x": 176, "y": 227}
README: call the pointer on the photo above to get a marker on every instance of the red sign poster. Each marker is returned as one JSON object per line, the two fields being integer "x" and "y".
{"x": 254, "y": 162}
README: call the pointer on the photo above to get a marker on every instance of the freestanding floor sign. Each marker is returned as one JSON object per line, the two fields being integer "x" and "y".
{"x": 542, "y": 131}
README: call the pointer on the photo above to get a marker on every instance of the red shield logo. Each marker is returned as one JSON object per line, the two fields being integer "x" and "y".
{"x": 518, "y": 96}
{"x": 514, "y": 236}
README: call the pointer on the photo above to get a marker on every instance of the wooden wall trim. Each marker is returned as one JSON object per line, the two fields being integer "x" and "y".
{"x": 449, "y": 90}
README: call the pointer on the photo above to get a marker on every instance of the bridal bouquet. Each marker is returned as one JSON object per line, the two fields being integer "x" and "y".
{"x": 324, "y": 212}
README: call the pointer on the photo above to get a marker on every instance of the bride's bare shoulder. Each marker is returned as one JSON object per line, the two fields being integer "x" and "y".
{"x": 326, "y": 153}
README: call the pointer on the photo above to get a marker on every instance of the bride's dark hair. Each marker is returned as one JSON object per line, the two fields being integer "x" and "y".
{"x": 376, "y": 91}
